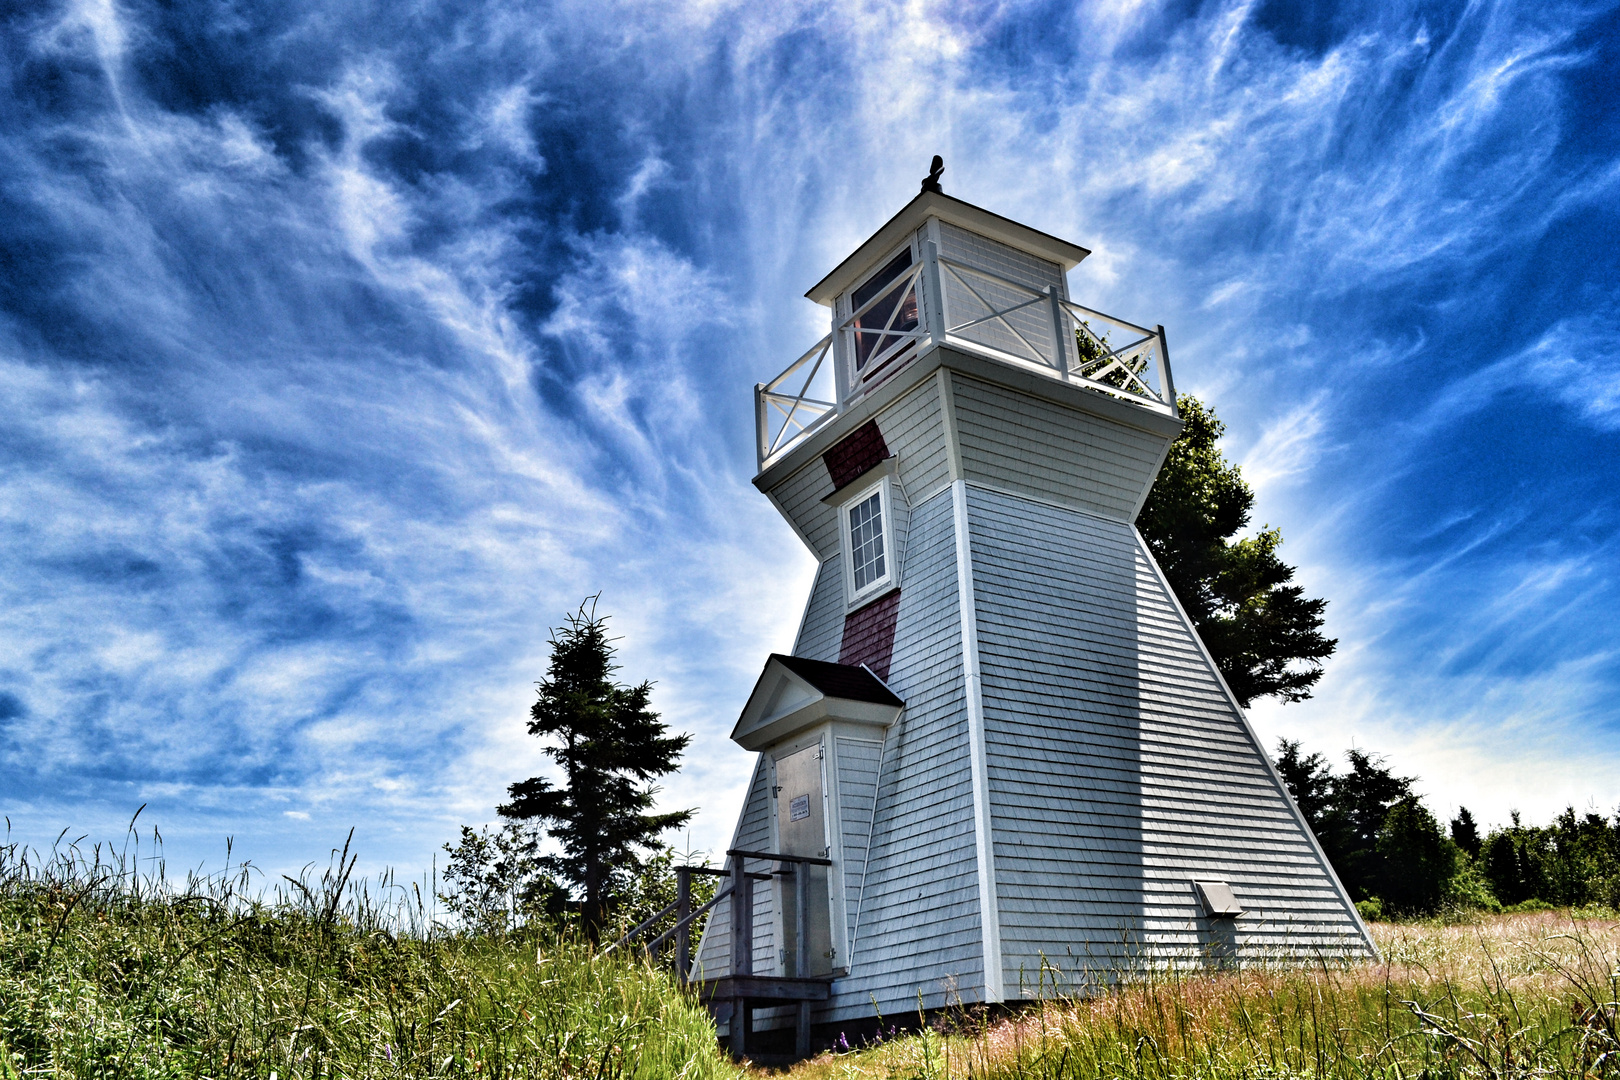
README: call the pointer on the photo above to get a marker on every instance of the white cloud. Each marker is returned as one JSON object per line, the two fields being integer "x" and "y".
{"x": 1288, "y": 447}
{"x": 377, "y": 413}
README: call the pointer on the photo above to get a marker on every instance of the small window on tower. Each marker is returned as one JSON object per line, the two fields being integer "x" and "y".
{"x": 869, "y": 559}
{"x": 866, "y": 540}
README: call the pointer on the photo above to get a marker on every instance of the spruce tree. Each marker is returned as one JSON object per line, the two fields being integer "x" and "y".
{"x": 1264, "y": 634}
{"x": 610, "y": 746}
{"x": 1465, "y": 832}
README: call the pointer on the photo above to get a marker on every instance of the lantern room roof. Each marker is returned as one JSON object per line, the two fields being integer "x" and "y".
{"x": 935, "y": 204}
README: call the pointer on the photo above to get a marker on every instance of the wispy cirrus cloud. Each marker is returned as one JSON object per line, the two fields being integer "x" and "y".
{"x": 348, "y": 349}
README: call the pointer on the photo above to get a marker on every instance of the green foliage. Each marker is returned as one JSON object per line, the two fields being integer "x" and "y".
{"x": 105, "y": 974}
{"x": 653, "y": 888}
{"x": 1573, "y": 862}
{"x": 1515, "y": 864}
{"x": 1385, "y": 845}
{"x": 610, "y": 745}
{"x": 1371, "y": 909}
{"x": 1310, "y": 782}
{"x": 1465, "y": 833}
{"x": 1264, "y": 634}
{"x": 493, "y": 880}
{"x": 1362, "y": 799}
{"x": 1468, "y": 891}
{"x": 1417, "y": 861}
{"x": 1347, "y": 812}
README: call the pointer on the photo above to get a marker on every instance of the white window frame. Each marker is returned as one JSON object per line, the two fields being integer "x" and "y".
{"x": 855, "y": 382}
{"x": 858, "y": 493}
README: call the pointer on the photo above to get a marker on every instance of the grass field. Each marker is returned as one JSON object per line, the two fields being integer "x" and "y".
{"x": 1507, "y": 996}
{"x": 104, "y": 973}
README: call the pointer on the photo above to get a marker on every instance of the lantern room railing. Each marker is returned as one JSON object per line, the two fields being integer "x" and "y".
{"x": 943, "y": 301}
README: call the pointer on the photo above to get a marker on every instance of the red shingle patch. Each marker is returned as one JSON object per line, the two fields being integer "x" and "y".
{"x": 869, "y": 635}
{"x": 855, "y": 453}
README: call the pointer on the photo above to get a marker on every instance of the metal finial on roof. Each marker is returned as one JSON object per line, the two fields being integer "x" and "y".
{"x": 931, "y": 181}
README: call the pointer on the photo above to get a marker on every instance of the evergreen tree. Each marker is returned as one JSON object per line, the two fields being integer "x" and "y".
{"x": 1345, "y": 811}
{"x": 1512, "y": 863}
{"x": 1310, "y": 782}
{"x": 1365, "y": 795}
{"x": 610, "y": 745}
{"x": 1263, "y": 633}
{"x": 1465, "y": 833}
{"x": 1416, "y": 860}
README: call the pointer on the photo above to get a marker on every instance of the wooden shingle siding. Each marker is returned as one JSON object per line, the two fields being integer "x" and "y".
{"x": 823, "y": 632}
{"x": 1034, "y": 323}
{"x": 917, "y": 926}
{"x": 713, "y": 955}
{"x": 911, "y": 427}
{"x": 857, "y": 792}
{"x": 1118, "y": 769}
{"x": 1024, "y": 445}
{"x": 912, "y": 432}
{"x": 869, "y": 635}
{"x": 900, "y": 528}
{"x": 799, "y": 497}
{"x": 850, "y": 457}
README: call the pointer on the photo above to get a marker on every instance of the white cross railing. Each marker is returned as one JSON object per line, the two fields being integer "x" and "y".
{"x": 784, "y": 416}
{"x": 1062, "y": 339}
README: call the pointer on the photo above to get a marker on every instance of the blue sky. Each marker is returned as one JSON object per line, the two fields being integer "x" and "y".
{"x": 345, "y": 346}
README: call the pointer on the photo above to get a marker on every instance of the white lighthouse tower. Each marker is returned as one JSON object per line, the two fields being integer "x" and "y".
{"x": 999, "y": 753}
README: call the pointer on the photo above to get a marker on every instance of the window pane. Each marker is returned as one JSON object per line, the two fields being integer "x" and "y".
{"x": 870, "y": 339}
{"x": 866, "y": 541}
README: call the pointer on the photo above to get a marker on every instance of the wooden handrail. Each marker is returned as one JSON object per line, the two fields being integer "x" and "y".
{"x": 684, "y": 923}
{"x": 644, "y": 926}
{"x": 779, "y": 857}
{"x": 681, "y": 903}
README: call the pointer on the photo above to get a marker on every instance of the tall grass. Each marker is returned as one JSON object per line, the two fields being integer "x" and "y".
{"x": 1514, "y": 996}
{"x": 107, "y": 971}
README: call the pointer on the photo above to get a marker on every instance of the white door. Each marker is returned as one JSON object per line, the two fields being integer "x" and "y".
{"x": 802, "y": 830}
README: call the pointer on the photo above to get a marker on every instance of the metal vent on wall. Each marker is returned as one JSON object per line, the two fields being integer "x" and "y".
{"x": 1219, "y": 901}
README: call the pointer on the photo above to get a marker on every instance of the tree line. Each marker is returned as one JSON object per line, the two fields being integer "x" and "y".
{"x": 1396, "y": 859}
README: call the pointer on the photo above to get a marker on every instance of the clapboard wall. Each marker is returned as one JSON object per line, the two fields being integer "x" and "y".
{"x": 858, "y": 762}
{"x": 1020, "y": 443}
{"x": 912, "y": 432}
{"x": 1118, "y": 769}
{"x": 823, "y": 629}
{"x": 916, "y": 925}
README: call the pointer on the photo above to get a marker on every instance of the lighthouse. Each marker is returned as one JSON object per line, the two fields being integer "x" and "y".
{"x": 998, "y": 761}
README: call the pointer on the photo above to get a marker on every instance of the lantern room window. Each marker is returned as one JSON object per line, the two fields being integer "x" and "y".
{"x": 881, "y": 329}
